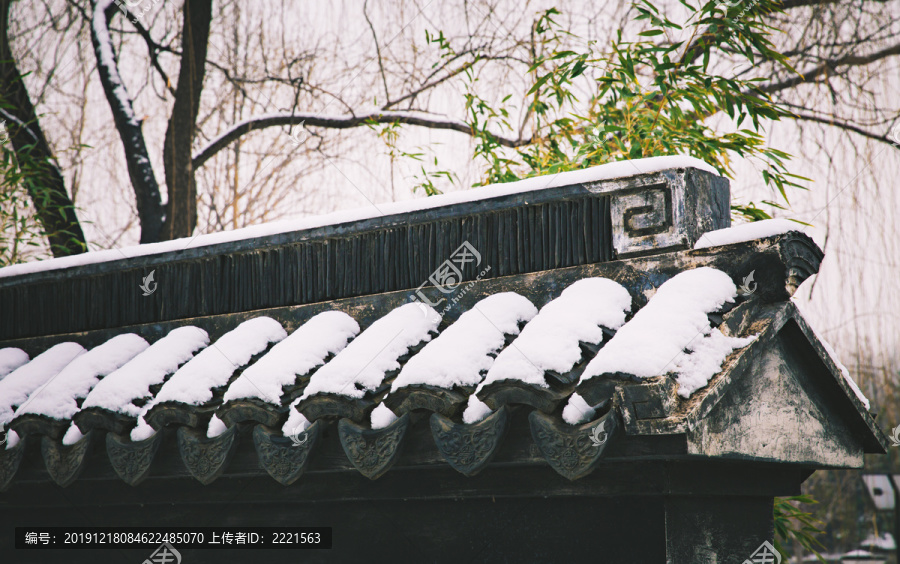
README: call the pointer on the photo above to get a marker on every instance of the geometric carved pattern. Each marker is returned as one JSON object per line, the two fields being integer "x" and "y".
{"x": 205, "y": 458}
{"x": 373, "y": 451}
{"x": 282, "y": 457}
{"x": 572, "y": 449}
{"x": 469, "y": 448}
{"x": 132, "y": 460}
{"x": 64, "y": 462}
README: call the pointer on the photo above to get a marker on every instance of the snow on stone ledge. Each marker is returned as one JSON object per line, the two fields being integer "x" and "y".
{"x": 306, "y": 348}
{"x": 362, "y": 365}
{"x": 704, "y": 359}
{"x": 746, "y": 232}
{"x": 118, "y": 391}
{"x": 194, "y": 382}
{"x": 58, "y": 397}
{"x": 675, "y": 316}
{"x": 20, "y": 383}
{"x": 10, "y": 359}
{"x": 550, "y": 340}
{"x": 834, "y": 358}
{"x": 460, "y": 355}
{"x": 619, "y": 169}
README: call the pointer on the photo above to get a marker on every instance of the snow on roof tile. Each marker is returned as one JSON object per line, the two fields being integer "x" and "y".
{"x": 463, "y": 352}
{"x": 651, "y": 343}
{"x": 362, "y": 365}
{"x": 58, "y": 397}
{"x": 551, "y": 340}
{"x": 10, "y": 359}
{"x": 118, "y": 391}
{"x": 306, "y": 348}
{"x": 20, "y": 383}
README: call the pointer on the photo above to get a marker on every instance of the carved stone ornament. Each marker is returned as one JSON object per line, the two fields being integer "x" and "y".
{"x": 373, "y": 451}
{"x": 572, "y": 450}
{"x": 516, "y": 392}
{"x": 65, "y": 462}
{"x": 285, "y": 458}
{"x": 330, "y": 405}
{"x": 99, "y": 418}
{"x": 431, "y": 398}
{"x": 251, "y": 409}
{"x": 205, "y": 458}
{"x": 9, "y": 462}
{"x": 132, "y": 459}
{"x": 469, "y": 448}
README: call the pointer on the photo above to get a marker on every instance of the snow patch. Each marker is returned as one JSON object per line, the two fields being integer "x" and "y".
{"x": 361, "y": 366}
{"x": 21, "y": 382}
{"x": 216, "y": 427}
{"x": 578, "y": 411}
{"x": 550, "y": 341}
{"x": 619, "y": 169}
{"x": 296, "y": 423}
{"x": 72, "y": 436}
{"x": 194, "y": 382}
{"x": 382, "y": 416}
{"x": 704, "y": 360}
{"x": 462, "y": 353}
{"x": 476, "y": 410}
{"x": 58, "y": 397}
{"x": 10, "y": 359}
{"x": 746, "y": 232}
{"x": 649, "y": 344}
{"x": 306, "y": 348}
{"x": 118, "y": 391}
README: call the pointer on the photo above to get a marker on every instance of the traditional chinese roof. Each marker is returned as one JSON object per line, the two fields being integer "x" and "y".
{"x": 666, "y": 352}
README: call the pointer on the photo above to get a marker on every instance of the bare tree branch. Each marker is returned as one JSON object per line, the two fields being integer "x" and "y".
{"x": 143, "y": 180}
{"x": 342, "y": 122}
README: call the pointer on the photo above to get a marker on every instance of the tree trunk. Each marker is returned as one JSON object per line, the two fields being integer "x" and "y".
{"x": 181, "y": 209}
{"x": 55, "y": 210}
{"x": 143, "y": 180}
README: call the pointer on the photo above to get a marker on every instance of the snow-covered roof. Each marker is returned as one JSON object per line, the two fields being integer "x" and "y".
{"x": 598, "y": 173}
{"x": 670, "y": 329}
